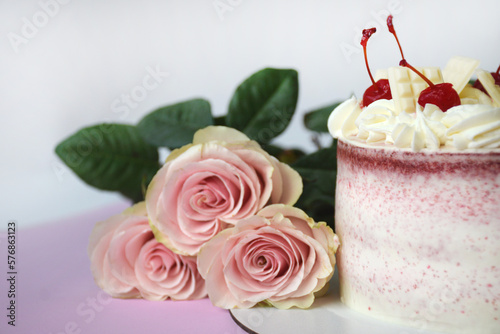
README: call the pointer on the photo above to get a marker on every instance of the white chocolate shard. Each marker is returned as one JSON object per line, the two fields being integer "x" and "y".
{"x": 406, "y": 85}
{"x": 402, "y": 94}
{"x": 488, "y": 83}
{"x": 471, "y": 95}
{"x": 459, "y": 70}
{"x": 432, "y": 73}
{"x": 381, "y": 74}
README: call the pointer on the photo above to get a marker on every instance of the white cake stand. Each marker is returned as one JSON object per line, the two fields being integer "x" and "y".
{"x": 327, "y": 315}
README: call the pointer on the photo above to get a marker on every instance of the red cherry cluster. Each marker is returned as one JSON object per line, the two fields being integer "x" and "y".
{"x": 443, "y": 95}
{"x": 495, "y": 75}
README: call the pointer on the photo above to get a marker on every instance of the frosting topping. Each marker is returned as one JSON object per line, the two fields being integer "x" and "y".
{"x": 467, "y": 126}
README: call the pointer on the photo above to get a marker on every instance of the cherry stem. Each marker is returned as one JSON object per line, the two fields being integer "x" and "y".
{"x": 364, "y": 40}
{"x": 403, "y": 62}
{"x": 406, "y": 64}
{"x": 392, "y": 31}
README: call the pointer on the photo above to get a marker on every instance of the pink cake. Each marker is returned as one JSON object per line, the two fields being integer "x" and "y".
{"x": 418, "y": 213}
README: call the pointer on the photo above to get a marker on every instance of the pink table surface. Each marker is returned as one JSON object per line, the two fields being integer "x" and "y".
{"x": 55, "y": 291}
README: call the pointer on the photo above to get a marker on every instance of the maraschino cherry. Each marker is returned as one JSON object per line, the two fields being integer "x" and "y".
{"x": 495, "y": 75}
{"x": 442, "y": 95}
{"x": 380, "y": 89}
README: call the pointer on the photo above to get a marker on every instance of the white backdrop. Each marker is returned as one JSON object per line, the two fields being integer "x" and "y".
{"x": 68, "y": 64}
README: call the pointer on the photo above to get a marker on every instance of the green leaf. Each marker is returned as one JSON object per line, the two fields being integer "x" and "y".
{"x": 263, "y": 105}
{"x": 324, "y": 159}
{"x": 317, "y": 120}
{"x": 287, "y": 156}
{"x": 111, "y": 157}
{"x": 221, "y": 120}
{"x": 318, "y": 171}
{"x": 174, "y": 126}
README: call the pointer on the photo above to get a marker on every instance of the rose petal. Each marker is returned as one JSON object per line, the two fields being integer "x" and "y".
{"x": 303, "y": 302}
{"x": 123, "y": 248}
{"x": 290, "y": 181}
{"x": 209, "y": 262}
{"x": 219, "y": 133}
{"x": 99, "y": 241}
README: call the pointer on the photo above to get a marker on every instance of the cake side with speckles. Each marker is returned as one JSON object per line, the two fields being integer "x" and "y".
{"x": 420, "y": 236}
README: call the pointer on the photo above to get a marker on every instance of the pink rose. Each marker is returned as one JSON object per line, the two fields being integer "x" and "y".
{"x": 127, "y": 262}
{"x": 280, "y": 256}
{"x": 209, "y": 185}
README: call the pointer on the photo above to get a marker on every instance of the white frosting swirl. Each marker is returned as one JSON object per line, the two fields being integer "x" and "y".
{"x": 473, "y": 126}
